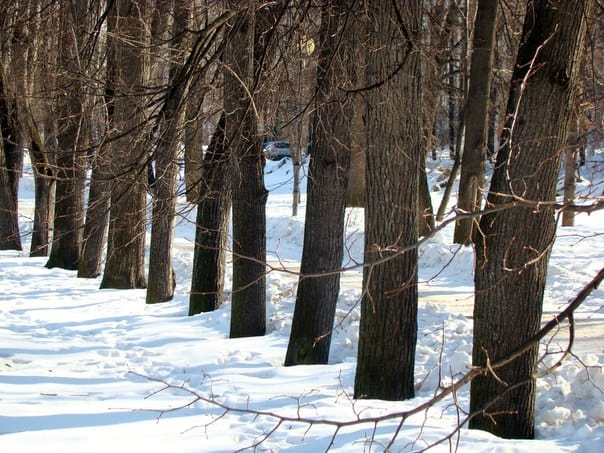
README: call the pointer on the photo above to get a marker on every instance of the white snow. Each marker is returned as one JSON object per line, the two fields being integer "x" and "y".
{"x": 86, "y": 370}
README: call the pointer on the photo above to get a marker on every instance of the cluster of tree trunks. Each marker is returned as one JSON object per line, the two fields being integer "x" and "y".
{"x": 117, "y": 108}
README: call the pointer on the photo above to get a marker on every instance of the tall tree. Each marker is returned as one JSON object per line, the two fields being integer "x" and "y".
{"x": 476, "y": 119}
{"x": 319, "y": 283}
{"x": 10, "y": 238}
{"x": 355, "y": 194}
{"x": 99, "y": 191}
{"x": 388, "y": 326}
{"x": 211, "y": 226}
{"x": 124, "y": 266}
{"x": 71, "y": 153}
{"x": 97, "y": 213}
{"x": 195, "y": 117}
{"x": 514, "y": 245}
{"x": 248, "y": 310}
{"x": 440, "y": 19}
{"x": 161, "y": 274}
{"x": 42, "y": 154}
{"x": 457, "y": 66}
{"x": 170, "y": 130}
{"x": 33, "y": 58}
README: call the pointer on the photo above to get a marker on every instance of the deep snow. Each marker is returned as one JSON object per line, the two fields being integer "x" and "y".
{"x": 79, "y": 366}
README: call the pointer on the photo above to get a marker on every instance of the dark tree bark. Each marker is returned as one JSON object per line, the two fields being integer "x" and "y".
{"x": 355, "y": 193}
{"x": 71, "y": 155}
{"x": 124, "y": 267}
{"x": 99, "y": 194}
{"x": 571, "y": 172}
{"x": 212, "y": 224}
{"x": 25, "y": 66}
{"x": 476, "y": 114}
{"x": 11, "y": 161}
{"x": 42, "y": 154}
{"x": 425, "y": 213}
{"x": 388, "y": 327}
{"x": 9, "y": 220}
{"x": 97, "y": 218}
{"x": 327, "y": 183}
{"x": 193, "y": 145}
{"x": 161, "y": 273}
{"x": 514, "y": 245}
{"x": 248, "y": 310}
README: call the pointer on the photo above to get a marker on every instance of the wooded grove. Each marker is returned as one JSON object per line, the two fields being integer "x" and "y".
{"x": 129, "y": 110}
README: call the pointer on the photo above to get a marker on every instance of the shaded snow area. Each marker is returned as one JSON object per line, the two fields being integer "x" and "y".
{"x": 89, "y": 370}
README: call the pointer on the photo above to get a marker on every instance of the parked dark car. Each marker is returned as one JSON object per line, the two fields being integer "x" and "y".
{"x": 277, "y": 150}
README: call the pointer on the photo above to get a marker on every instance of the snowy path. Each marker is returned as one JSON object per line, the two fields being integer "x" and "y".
{"x": 589, "y": 328}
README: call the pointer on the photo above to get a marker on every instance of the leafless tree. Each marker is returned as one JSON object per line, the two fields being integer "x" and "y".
{"x": 513, "y": 246}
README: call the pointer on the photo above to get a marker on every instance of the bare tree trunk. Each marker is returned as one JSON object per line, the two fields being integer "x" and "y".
{"x": 193, "y": 146}
{"x": 161, "y": 273}
{"x": 322, "y": 253}
{"x": 571, "y": 173}
{"x": 212, "y": 224}
{"x": 570, "y": 184}
{"x": 493, "y": 121}
{"x": 476, "y": 119}
{"x": 97, "y": 218}
{"x": 99, "y": 193}
{"x": 22, "y": 48}
{"x": 425, "y": 214}
{"x": 388, "y": 327}
{"x": 124, "y": 267}
{"x": 355, "y": 193}
{"x": 71, "y": 157}
{"x": 442, "y": 208}
{"x": 296, "y": 157}
{"x": 42, "y": 159}
{"x": 456, "y": 114}
{"x": 11, "y": 161}
{"x": 213, "y": 189}
{"x": 248, "y": 310}
{"x": 514, "y": 245}
{"x": 442, "y": 18}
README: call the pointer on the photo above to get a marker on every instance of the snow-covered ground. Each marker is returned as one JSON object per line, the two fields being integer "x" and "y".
{"x": 86, "y": 370}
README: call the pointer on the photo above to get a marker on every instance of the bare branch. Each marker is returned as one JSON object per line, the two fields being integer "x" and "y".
{"x": 402, "y": 416}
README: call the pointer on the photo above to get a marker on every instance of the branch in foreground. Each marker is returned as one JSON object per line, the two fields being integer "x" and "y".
{"x": 280, "y": 419}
